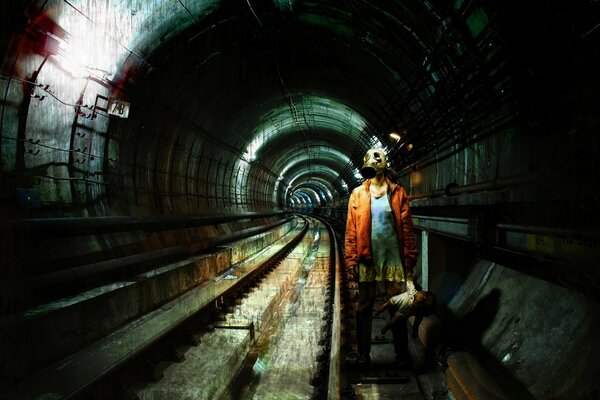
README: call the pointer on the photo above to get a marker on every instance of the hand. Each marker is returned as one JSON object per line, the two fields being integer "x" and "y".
{"x": 353, "y": 273}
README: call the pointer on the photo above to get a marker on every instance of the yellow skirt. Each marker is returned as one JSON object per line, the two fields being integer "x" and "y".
{"x": 380, "y": 273}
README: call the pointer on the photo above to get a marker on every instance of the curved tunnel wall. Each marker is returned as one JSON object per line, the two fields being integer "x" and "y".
{"x": 180, "y": 172}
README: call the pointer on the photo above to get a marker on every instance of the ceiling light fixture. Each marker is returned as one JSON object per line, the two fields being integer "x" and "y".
{"x": 395, "y": 136}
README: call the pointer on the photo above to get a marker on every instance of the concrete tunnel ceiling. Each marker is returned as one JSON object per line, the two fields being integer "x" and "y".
{"x": 294, "y": 102}
{"x": 247, "y": 105}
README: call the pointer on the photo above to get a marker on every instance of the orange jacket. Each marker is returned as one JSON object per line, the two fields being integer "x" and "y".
{"x": 358, "y": 225}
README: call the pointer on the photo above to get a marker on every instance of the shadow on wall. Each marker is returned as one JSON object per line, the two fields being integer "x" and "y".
{"x": 466, "y": 333}
{"x": 477, "y": 321}
{"x": 472, "y": 307}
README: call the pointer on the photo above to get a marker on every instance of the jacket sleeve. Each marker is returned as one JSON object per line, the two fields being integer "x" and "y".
{"x": 410, "y": 249}
{"x": 351, "y": 252}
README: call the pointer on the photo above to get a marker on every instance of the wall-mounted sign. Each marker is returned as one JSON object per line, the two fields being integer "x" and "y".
{"x": 118, "y": 108}
{"x": 111, "y": 106}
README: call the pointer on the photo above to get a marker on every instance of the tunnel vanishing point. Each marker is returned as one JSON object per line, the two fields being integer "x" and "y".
{"x": 136, "y": 134}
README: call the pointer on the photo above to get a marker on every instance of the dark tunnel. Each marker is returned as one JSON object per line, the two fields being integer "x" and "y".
{"x": 137, "y": 134}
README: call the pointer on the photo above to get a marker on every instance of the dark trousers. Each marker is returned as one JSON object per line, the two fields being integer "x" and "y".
{"x": 364, "y": 318}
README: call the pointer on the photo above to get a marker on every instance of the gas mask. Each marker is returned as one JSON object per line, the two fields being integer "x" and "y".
{"x": 374, "y": 161}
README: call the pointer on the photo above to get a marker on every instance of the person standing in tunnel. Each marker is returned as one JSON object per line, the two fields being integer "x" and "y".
{"x": 379, "y": 248}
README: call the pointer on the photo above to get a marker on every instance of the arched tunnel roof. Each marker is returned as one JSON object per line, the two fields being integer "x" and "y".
{"x": 249, "y": 101}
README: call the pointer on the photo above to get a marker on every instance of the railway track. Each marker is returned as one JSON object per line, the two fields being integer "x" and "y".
{"x": 276, "y": 325}
{"x": 271, "y": 341}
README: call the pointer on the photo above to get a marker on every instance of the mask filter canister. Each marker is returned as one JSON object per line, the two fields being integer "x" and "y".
{"x": 368, "y": 171}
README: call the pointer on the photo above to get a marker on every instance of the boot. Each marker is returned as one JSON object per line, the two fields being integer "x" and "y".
{"x": 363, "y": 339}
{"x": 400, "y": 335}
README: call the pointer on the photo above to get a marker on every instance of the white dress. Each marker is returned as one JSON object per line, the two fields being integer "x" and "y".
{"x": 387, "y": 262}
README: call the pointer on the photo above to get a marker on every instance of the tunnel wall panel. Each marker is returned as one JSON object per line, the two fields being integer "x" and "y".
{"x": 195, "y": 178}
{"x": 228, "y": 182}
{"x": 211, "y": 182}
{"x": 535, "y": 338}
{"x": 177, "y": 168}
{"x": 59, "y": 141}
{"x": 222, "y": 190}
{"x": 237, "y": 181}
{"x": 13, "y": 96}
{"x": 145, "y": 181}
{"x": 190, "y": 168}
{"x": 163, "y": 172}
{"x": 499, "y": 156}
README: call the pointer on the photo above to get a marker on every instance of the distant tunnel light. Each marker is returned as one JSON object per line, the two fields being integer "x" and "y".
{"x": 249, "y": 157}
